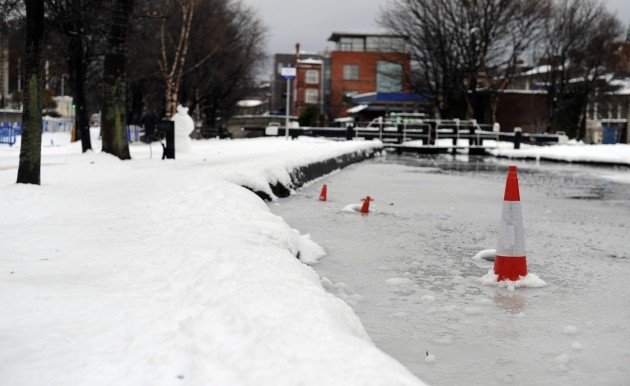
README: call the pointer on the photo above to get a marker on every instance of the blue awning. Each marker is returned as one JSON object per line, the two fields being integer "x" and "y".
{"x": 388, "y": 97}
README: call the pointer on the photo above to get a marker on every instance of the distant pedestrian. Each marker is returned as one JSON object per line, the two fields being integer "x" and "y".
{"x": 148, "y": 123}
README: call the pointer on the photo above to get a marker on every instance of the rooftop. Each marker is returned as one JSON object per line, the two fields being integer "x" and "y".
{"x": 336, "y": 36}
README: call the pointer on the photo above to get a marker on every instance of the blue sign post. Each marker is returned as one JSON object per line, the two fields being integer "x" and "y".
{"x": 287, "y": 73}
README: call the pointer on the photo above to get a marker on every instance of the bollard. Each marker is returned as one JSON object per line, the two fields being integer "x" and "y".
{"x": 349, "y": 132}
{"x": 365, "y": 208}
{"x": 167, "y": 130}
{"x": 517, "y": 137}
{"x": 456, "y": 132}
{"x": 324, "y": 193}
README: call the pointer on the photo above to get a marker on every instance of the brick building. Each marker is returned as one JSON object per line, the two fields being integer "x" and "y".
{"x": 308, "y": 86}
{"x": 365, "y": 63}
{"x": 307, "y": 89}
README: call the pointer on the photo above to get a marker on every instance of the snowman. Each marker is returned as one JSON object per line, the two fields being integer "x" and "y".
{"x": 184, "y": 126}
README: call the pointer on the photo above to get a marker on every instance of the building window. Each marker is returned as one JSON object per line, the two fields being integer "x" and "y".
{"x": 350, "y": 72}
{"x": 311, "y": 95}
{"x": 388, "y": 77}
{"x": 312, "y": 76}
{"x": 384, "y": 44}
{"x": 347, "y": 43}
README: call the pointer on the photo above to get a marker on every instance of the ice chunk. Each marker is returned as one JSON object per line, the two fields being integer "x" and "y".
{"x": 531, "y": 281}
{"x": 472, "y": 310}
{"x": 398, "y": 281}
{"x": 576, "y": 346}
{"x": 570, "y": 330}
{"x": 562, "y": 359}
{"x": 486, "y": 254}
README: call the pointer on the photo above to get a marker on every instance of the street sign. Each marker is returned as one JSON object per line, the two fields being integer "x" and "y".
{"x": 288, "y": 72}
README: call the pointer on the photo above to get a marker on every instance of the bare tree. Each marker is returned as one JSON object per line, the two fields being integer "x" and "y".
{"x": 174, "y": 47}
{"x": 30, "y": 150}
{"x": 577, "y": 47}
{"x": 114, "y": 116}
{"x": 10, "y": 9}
{"x": 11, "y": 20}
{"x": 227, "y": 58}
{"x": 452, "y": 41}
{"x": 523, "y": 32}
{"x": 79, "y": 22}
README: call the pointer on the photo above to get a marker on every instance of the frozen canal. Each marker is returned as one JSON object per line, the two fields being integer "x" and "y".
{"x": 407, "y": 268}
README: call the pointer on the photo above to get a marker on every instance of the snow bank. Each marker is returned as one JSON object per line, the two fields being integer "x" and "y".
{"x": 609, "y": 154}
{"x": 150, "y": 272}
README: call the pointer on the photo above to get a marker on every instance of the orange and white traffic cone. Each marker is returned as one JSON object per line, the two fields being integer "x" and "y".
{"x": 322, "y": 195}
{"x": 365, "y": 209}
{"x": 510, "y": 262}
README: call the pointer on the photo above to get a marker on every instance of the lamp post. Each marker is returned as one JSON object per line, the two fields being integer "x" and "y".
{"x": 472, "y": 76}
{"x": 287, "y": 73}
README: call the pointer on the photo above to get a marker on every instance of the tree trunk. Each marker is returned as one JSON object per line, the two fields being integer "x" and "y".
{"x": 31, "y": 146}
{"x": 113, "y": 114}
{"x": 82, "y": 128}
{"x": 172, "y": 72}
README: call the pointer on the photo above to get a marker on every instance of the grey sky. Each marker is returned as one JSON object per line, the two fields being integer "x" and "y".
{"x": 311, "y": 22}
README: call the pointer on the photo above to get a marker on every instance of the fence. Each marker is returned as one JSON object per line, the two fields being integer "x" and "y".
{"x": 429, "y": 131}
{"x": 57, "y": 125}
{"x": 7, "y": 134}
{"x": 10, "y": 131}
{"x": 134, "y": 132}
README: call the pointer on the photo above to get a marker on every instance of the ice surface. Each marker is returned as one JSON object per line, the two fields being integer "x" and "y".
{"x": 432, "y": 220}
{"x": 570, "y": 330}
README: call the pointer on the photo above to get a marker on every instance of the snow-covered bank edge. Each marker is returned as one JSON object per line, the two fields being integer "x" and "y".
{"x": 593, "y": 155}
{"x": 312, "y": 171}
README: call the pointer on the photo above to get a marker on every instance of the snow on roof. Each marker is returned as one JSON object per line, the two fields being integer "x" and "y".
{"x": 310, "y": 61}
{"x": 249, "y": 103}
{"x": 344, "y": 119}
{"x": 623, "y": 84}
{"x": 357, "y": 109}
{"x": 537, "y": 70}
{"x": 367, "y": 94}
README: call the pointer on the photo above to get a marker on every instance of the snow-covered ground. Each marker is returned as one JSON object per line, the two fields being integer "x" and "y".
{"x": 151, "y": 272}
{"x": 612, "y": 154}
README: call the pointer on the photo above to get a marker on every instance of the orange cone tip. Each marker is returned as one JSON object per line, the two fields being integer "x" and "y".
{"x": 511, "y": 262}
{"x": 322, "y": 195}
{"x": 511, "y": 186}
{"x": 366, "y": 205}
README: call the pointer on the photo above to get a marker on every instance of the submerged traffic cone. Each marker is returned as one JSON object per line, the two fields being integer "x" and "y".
{"x": 322, "y": 195}
{"x": 510, "y": 262}
{"x": 366, "y": 205}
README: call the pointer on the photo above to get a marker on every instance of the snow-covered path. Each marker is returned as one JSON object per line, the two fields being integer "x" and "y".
{"x": 150, "y": 272}
{"x": 407, "y": 270}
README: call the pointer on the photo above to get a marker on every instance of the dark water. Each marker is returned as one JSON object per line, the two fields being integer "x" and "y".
{"x": 573, "y": 181}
